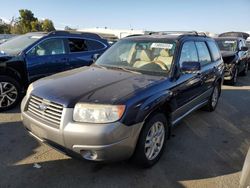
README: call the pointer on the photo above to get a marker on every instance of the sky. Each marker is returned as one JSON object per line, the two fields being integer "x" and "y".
{"x": 201, "y": 15}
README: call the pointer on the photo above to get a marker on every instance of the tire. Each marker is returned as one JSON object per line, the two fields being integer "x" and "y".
{"x": 245, "y": 71}
{"x": 10, "y": 93}
{"x": 214, "y": 98}
{"x": 147, "y": 156}
{"x": 234, "y": 80}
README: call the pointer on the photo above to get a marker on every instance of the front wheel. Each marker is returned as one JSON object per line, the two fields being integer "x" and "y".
{"x": 234, "y": 79}
{"x": 151, "y": 141}
{"x": 10, "y": 93}
{"x": 245, "y": 71}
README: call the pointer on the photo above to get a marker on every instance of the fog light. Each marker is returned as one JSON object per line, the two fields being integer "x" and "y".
{"x": 89, "y": 155}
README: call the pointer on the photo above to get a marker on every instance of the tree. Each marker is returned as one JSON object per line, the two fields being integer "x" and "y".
{"x": 47, "y": 25}
{"x": 4, "y": 28}
{"x": 25, "y": 20}
{"x": 25, "y": 23}
{"x": 36, "y": 26}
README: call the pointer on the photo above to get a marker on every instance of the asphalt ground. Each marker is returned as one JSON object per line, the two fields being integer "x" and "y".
{"x": 205, "y": 150}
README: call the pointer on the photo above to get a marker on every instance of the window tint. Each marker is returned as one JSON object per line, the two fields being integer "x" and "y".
{"x": 204, "y": 56}
{"x": 94, "y": 45}
{"x": 188, "y": 53}
{"x": 214, "y": 50}
{"x": 77, "y": 45}
{"x": 49, "y": 47}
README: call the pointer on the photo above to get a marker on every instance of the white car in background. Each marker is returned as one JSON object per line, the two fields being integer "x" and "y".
{"x": 245, "y": 176}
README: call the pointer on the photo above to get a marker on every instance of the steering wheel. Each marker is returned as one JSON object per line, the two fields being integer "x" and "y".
{"x": 162, "y": 65}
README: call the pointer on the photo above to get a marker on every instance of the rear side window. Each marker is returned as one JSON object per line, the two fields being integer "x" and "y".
{"x": 203, "y": 53}
{"x": 215, "y": 52}
{"x": 94, "y": 45}
{"x": 188, "y": 53}
{"x": 77, "y": 45}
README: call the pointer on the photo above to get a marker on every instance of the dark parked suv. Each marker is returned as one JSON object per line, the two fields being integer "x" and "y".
{"x": 126, "y": 103}
{"x": 235, "y": 56}
{"x": 29, "y": 57}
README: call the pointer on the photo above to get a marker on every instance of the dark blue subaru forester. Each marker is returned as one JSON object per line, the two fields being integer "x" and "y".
{"x": 125, "y": 104}
{"x": 29, "y": 57}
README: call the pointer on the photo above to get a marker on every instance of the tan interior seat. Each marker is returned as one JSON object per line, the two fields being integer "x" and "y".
{"x": 145, "y": 58}
{"x": 165, "y": 58}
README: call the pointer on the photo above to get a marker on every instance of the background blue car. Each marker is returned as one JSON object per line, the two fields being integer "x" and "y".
{"x": 29, "y": 57}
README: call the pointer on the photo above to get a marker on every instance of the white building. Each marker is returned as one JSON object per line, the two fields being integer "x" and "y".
{"x": 119, "y": 33}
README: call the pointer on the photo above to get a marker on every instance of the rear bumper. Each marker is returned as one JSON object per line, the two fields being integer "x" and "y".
{"x": 97, "y": 142}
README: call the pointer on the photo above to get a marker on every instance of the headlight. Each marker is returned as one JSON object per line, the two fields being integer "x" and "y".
{"x": 95, "y": 113}
{"x": 30, "y": 88}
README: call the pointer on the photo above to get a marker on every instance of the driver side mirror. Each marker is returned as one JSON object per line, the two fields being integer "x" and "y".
{"x": 191, "y": 66}
{"x": 244, "y": 48}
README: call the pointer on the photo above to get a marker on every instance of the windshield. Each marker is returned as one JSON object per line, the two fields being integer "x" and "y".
{"x": 17, "y": 44}
{"x": 147, "y": 57}
{"x": 227, "y": 45}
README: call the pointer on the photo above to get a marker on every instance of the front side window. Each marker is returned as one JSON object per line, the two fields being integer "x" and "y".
{"x": 144, "y": 56}
{"x": 203, "y": 53}
{"x": 77, "y": 45}
{"x": 227, "y": 44}
{"x": 188, "y": 53}
{"x": 48, "y": 47}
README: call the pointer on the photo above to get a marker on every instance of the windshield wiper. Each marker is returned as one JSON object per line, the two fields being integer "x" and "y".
{"x": 99, "y": 66}
{"x": 125, "y": 69}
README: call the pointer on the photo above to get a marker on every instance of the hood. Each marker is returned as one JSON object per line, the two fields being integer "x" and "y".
{"x": 229, "y": 56}
{"x": 228, "y": 53}
{"x": 4, "y": 58}
{"x": 92, "y": 85}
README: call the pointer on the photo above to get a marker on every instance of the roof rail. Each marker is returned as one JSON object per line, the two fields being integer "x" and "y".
{"x": 88, "y": 34}
{"x": 195, "y": 33}
{"x": 134, "y": 35}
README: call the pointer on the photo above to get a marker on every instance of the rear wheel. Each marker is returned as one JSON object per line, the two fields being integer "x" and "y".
{"x": 213, "y": 101}
{"x": 10, "y": 93}
{"x": 151, "y": 142}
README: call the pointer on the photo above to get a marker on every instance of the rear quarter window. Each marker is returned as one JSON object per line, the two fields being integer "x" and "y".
{"x": 94, "y": 45}
{"x": 215, "y": 52}
{"x": 77, "y": 45}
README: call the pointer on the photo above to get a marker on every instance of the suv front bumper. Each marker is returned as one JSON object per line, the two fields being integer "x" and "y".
{"x": 97, "y": 142}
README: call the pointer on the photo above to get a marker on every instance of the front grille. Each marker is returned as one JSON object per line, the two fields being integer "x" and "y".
{"x": 45, "y": 110}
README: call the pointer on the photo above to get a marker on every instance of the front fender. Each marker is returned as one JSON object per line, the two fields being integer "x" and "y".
{"x": 152, "y": 103}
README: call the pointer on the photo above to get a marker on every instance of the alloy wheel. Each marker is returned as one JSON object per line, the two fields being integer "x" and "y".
{"x": 8, "y": 94}
{"x": 215, "y": 96}
{"x": 235, "y": 75}
{"x": 246, "y": 69}
{"x": 154, "y": 140}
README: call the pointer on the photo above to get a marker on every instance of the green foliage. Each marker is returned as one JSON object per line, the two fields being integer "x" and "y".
{"x": 36, "y": 26}
{"x": 47, "y": 25}
{"x": 4, "y": 28}
{"x": 25, "y": 23}
{"x": 26, "y": 19}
